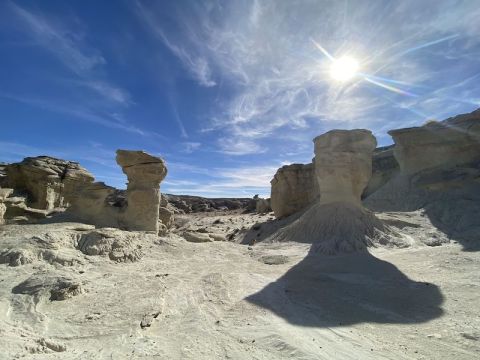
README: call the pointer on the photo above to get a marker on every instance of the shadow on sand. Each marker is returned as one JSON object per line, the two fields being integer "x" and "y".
{"x": 329, "y": 291}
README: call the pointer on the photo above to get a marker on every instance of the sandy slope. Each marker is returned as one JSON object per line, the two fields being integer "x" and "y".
{"x": 223, "y": 300}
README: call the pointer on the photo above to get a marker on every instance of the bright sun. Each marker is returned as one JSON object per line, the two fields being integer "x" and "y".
{"x": 344, "y": 68}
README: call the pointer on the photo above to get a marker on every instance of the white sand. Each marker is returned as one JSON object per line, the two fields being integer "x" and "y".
{"x": 220, "y": 300}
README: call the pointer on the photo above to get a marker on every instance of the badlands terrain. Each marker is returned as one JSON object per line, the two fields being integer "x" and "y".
{"x": 365, "y": 253}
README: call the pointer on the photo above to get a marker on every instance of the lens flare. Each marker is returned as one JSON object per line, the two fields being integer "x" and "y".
{"x": 344, "y": 68}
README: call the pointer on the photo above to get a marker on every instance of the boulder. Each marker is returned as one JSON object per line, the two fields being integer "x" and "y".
{"x": 49, "y": 182}
{"x": 166, "y": 217}
{"x": 343, "y": 164}
{"x": 452, "y": 142}
{"x": 294, "y": 187}
{"x": 144, "y": 173}
{"x": 197, "y": 237}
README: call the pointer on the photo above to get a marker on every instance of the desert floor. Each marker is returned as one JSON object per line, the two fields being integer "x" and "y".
{"x": 225, "y": 300}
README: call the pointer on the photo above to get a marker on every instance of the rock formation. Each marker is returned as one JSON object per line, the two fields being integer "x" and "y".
{"x": 90, "y": 205}
{"x": 144, "y": 173}
{"x": 384, "y": 167}
{"x": 48, "y": 182}
{"x": 293, "y": 188}
{"x": 4, "y": 193}
{"x": 452, "y": 142}
{"x": 337, "y": 222}
{"x": 440, "y": 173}
{"x": 166, "y": 216}
{"x": 343, "y": 164}
{"x": 181, "y": 204}
{"x": 137, "y": 208}
{"x": 263, "y": 206}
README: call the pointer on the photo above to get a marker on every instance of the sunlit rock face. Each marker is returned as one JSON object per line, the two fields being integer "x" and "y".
{"x": 337, "y": 222}
{"x": 452, "y": 142}
{"x": 90, "y": 205}
{"x": 144, "y": 173}
{"x": 49, "y": 182}
{"x": 343, "y": 164}
{"x": 294, "y": 187}
{"x": 4, "y": 193}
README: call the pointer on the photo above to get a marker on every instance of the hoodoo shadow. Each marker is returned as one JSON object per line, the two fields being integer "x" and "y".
{"x": 330, "y": 291}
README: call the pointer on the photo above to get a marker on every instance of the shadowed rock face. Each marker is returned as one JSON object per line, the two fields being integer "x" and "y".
{"x": 452, "y": 142}
{"x": 293, "y": 188}
{"x": 144, "y": 173}
{"x": 343, "y": 164}
{"x": 49, "y": 182}
{"x": 384, "y": 167}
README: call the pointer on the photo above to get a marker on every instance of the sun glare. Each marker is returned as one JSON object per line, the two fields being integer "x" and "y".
{"x": 344, "y": 68}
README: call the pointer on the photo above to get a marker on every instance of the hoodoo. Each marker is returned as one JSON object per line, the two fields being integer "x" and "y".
{"x": 144, "y": 173}
{"x": 338, "y": 222}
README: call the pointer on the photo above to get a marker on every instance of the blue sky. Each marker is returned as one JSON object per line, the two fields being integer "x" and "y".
{"x": 225, "y": 91}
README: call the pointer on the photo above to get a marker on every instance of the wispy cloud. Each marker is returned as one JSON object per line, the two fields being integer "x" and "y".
{"x": 60, "y": 41}
{"x": 239, "y": 146}
{"x": 72, "y": 110}
{"x": 190, "y": 146}
{"x": 88, "y": 95}
{"x": 280, "y": 80}
{"x": 109, "y": 91}
{"x": 196, "y": 64}
{"x": 243, "y": 181}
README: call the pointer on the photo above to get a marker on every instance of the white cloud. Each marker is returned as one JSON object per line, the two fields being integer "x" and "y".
{"x": 227, "y": 182}
{"x": 195, "y": 63}
{"x": 109, "y": 91}
{"x": 279, "y": 79}
{"x": 190, "y": 146}
{"x": 60, "y": 41}
{"x": 239, "y": 146}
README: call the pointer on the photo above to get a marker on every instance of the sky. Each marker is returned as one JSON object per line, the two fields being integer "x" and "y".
{"x": 225, "y": 91}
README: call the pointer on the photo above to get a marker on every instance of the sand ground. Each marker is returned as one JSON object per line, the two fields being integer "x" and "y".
{"x": 225, "y": 300}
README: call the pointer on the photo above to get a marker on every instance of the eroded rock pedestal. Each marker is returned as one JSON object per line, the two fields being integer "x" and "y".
{"x": 144, "y": 173}
{"x": 343, "y": 164}
{"x": 337, "y": 222}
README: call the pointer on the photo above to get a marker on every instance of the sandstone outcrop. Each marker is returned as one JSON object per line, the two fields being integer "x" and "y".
{"x": 384, "y": 167}
{"x": 263, "y": 206}
{"x": 166, "y": 216}
{"x": 337, "y": 222}
{"x": 48, "y": 182}
{"x": 4, "y": 193}
{"x": 440, "y": 174}
{"x": 343, "y": 164}
{"x": 452, "y": 142}
{"x": 144, "y": 173}
{"x": 294, "y": 187}
{"x": 90, "y": 205}
{"x": 137, "y": 208}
